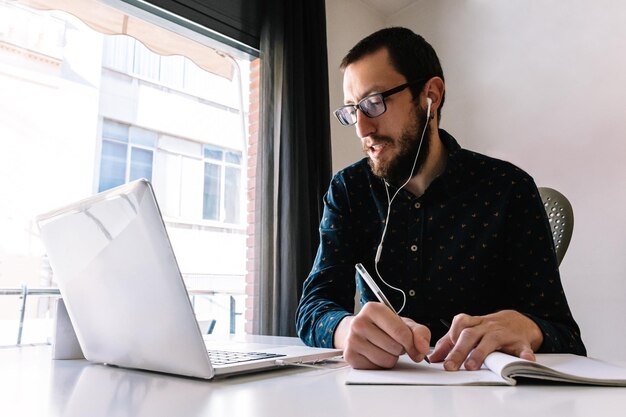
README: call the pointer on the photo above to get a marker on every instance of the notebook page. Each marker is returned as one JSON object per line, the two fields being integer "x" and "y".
{"x": 406, "y": 372}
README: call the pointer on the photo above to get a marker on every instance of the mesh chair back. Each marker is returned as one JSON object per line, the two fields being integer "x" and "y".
{"x": 561, "y": 217}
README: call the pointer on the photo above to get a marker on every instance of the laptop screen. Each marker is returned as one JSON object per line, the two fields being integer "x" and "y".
{"x": 118, "y": 276}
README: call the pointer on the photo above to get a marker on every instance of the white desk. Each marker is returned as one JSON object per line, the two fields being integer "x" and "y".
{"x": 31, "y": 384}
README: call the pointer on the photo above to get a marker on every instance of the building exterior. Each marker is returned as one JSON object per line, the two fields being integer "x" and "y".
{"x": 81, "y": 112}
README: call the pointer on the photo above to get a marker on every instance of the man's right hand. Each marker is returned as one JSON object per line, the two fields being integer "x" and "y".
{"x": 376, "y": 337}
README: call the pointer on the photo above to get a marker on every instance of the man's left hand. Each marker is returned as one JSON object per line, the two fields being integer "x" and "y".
{"x": 471, "y": 338}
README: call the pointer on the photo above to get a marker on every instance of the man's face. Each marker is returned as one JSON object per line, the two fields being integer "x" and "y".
{"x": 390, "y": 140}
{"x": 397, "y": 170}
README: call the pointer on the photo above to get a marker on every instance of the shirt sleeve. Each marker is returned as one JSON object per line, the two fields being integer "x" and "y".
{"x": 328, "y": 292}
{"x": 534, "y": 282}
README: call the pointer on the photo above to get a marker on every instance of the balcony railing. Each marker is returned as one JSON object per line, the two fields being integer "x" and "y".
{"x": 24, "y": 292}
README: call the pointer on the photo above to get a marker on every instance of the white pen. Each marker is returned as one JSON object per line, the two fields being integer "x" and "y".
{"x": 372, "y": 284}
{"x": 377, "y": 291}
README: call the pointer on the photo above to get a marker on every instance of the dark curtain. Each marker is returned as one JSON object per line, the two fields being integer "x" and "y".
{"x": 294, "y": 165}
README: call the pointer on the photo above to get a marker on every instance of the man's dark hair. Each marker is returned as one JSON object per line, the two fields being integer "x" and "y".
{"x": 409, "y": 52}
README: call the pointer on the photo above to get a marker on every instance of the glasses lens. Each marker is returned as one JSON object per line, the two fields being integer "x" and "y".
{"x": 346, "y": 115}
{"x": 373, "y": 106}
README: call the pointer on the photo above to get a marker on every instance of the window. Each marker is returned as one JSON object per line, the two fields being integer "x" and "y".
{"x": 94, "y": 111}
{"x": 222, "y": 185}
{"x": 127, "y": 154}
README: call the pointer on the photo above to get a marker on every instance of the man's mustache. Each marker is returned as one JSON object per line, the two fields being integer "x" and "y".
{"x": 380, "y": 140}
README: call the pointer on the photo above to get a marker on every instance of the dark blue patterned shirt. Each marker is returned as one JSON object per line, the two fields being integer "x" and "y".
{"x": 478, "y": 241}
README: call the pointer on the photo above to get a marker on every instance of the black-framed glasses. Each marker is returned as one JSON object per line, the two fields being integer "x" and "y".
{"x": 371, "y": 106}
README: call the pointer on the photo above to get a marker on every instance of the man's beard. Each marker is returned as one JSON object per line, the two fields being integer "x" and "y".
{"x": 398, "y": 170}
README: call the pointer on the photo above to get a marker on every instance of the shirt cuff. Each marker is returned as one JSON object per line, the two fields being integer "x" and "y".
{"x": 326, "y": 326}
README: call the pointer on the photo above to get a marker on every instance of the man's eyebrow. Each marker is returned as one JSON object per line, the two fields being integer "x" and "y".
{"x": 372, "y": 90}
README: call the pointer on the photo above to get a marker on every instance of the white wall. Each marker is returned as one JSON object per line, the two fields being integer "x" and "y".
{"x": 542, "y": 83}
{"x": 347, "y": 21}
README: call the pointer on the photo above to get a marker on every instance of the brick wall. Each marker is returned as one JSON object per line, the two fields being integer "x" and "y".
{"x": 253, "y": 136}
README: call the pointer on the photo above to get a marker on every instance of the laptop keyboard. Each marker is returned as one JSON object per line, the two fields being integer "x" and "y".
{"x": 222, "y": 357}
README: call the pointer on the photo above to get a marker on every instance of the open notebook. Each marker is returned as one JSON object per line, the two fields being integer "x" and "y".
{"x": 125, "y": 295}
{"x": 498, "y": 369}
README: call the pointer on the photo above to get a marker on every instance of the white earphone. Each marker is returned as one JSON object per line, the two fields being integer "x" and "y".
{"x": 379, "y": 250}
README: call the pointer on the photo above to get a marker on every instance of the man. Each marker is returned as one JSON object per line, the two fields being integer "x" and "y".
{"x": 451, "y": 236}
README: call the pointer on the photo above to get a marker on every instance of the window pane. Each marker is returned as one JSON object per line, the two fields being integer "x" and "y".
{"x": 112, "y": 165}
{"x": 140, "y": 164}
{"x": 232, "y": 195}
{"x": 233, "y": 157}
{"x": 114, "y": 130}
{"x": 144, "y": 137}
{"x": 212, "y": 152}
{"x": 211, "y": 197}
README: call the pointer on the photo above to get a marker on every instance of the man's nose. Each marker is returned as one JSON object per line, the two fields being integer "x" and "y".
{"x": 365, "y": 126}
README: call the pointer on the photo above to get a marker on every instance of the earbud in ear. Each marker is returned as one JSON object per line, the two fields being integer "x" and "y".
{"x": 429, "y": 101}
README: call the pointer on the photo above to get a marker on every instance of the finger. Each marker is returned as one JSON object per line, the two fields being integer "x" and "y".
{"x": 527, "y": 353}
{"x": 467, "y": 340}
{"x": 421, "y": 340}
{"x": 461, "y": 322}
{"x": 362, "y": 354}
{"x": 360, "y": 361}
{"x": 477, "y": 356}
{"x": 445, "y": 345}
{"x": 377, "y": 337}
{"x": 394, "y": 327}
{"x": 442, "y": 348}
{"x": 376, "y": 324}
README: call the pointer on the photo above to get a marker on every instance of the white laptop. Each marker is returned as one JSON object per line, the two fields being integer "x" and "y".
{"x": 125, "y": 295}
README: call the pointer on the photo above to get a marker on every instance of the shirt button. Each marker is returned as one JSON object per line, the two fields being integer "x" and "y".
{"x": 412, "y": 293}
{"x": 414, "y": 248}
{"x": 417, "y": 205}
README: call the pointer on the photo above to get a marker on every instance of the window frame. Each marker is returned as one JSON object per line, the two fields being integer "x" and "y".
{"x": 129, "y": 147}
{"x": 223, "y": 164}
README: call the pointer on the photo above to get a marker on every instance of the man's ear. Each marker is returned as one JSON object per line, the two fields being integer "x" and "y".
{"x": 434, "y": 90}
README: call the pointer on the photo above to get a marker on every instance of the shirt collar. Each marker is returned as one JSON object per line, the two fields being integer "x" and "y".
{"x": 454, "y": 162}
{"x": 450, "y": 179}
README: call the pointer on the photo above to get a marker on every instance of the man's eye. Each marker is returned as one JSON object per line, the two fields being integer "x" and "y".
{"x": 373, "y": 105}
{"x": 374, "y": 101}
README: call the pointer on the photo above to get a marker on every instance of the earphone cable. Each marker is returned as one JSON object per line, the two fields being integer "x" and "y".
{"x": 389, "y": 202}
